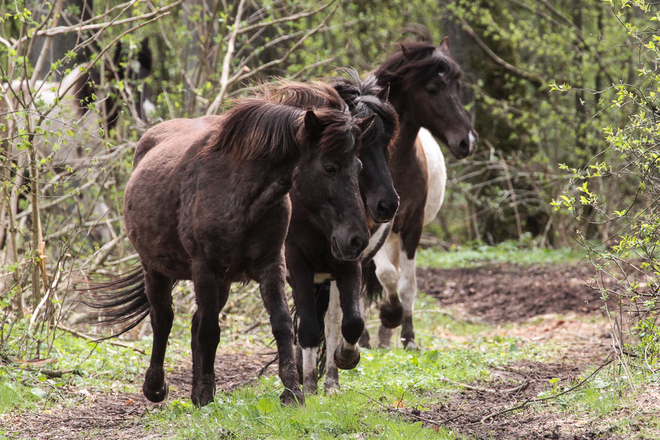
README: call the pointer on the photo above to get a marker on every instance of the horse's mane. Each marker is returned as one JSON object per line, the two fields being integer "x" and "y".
{"x": 361, "y": 98}
{"x": 416, "y": 61}
{"x": 271, "y": 125}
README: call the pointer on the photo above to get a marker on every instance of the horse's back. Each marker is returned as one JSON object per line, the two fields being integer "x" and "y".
{"x": 182, "y": 132}
{"x": 437, "y": 172}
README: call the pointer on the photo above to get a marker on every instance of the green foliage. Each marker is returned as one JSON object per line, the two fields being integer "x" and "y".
{"x": 618, "y": 187}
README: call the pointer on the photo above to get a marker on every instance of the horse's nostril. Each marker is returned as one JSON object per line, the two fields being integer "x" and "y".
{"x": 464, "y": 147}
{"x": 386, "y": 210}
{"x": 356, "y": 244}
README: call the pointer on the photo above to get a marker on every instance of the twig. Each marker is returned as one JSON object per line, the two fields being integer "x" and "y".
{"x": 528, "y": 401}
{"x": 532, "y": 78}
{"x": 226, "y": 63}
{"x": 268, "y": 364}
{"x": 92, "y": 27}
{"x": 93, "y": 339}
{"x": 424, "y": 419}
{"x": 486, "y": 390}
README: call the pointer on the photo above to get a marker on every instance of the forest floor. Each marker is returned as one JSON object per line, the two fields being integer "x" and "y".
{"x": 530, "y": 333}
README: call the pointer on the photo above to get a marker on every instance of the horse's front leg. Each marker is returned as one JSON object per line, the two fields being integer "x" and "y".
{"x": 271, "y": 285}
{"x": 301, "y": 277}
{"x": 211, "y": 294}
{"x": 347, "y": 353}
{"x": 158, "y": 289}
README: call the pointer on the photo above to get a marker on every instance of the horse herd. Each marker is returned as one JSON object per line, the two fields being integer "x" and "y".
{"x": 328, "y": 185}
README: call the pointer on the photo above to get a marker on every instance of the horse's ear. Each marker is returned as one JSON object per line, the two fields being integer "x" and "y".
{"x": 145, "y": 58}
{"x": 444, "y": 46}
{"x": 384, "y": 93}
{"x": 405, "y": 51}
{"x": 365, "y": 123}
{"x": 313, "y": 124}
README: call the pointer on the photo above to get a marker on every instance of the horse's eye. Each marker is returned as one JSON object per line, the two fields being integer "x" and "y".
{"x": 432, "y": 90}
{"x": 330, "y": 170}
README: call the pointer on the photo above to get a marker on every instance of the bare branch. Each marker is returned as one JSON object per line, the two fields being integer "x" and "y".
{"x": 286, "y": 19}
{"x": 224, "y": 83}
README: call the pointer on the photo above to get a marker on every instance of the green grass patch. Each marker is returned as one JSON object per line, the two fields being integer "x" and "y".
{"x": 509, "y": 252}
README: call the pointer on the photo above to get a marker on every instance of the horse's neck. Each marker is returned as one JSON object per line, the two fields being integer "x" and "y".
{"x": 405, "y": 142}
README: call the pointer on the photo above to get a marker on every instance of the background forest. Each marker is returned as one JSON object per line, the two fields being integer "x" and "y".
{"x": 563, "y": 95}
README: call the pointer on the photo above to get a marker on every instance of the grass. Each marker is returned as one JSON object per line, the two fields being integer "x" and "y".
{"x": 462, "y": 351}
{"x": 509, "y": 252}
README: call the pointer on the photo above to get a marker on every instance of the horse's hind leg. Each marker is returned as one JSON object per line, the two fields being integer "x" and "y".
{"x": 332, "y": 335}
{"x": 211, "y": 294}
{"x": 159, "y": 292}
{"x": 408, "y": 281}
{"x": 391, "y": 311}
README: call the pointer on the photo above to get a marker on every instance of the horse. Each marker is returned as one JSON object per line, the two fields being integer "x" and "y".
{"x": 312, "y": 255}
{"x": 207, "y": 201}
{"x": 424, "y": 86}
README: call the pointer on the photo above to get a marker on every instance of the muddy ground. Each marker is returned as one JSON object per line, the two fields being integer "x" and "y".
{"x": 551, "y": 301}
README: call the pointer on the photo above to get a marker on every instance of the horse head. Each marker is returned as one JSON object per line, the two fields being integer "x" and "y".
{"x": 366, "y": 98}
{"x": 325, "y": 182}
{"x": 427, "y": 77}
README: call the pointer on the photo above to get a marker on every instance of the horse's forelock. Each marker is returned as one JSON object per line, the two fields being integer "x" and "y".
{"x": 340, "y": 133}
{"x": 416, "y": 61}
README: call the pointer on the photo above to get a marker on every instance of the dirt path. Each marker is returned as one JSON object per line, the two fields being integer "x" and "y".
{"x": 94, "y": 415}
{"x": 543, "y": 303}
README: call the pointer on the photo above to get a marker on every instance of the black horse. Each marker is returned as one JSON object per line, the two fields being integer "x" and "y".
{"x": 207, "y": 201}
{"x": 312, "y": 255}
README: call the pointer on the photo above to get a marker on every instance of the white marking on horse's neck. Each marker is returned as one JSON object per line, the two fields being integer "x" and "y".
{"x": 376, "y": 240}
{"x": 437, "y": 171}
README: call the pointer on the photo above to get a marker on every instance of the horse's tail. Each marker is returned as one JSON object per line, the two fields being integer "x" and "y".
{"x": 122, "y": 301}
{"x": 372, "y": 290}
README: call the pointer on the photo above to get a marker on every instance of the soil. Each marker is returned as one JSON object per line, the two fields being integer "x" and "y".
{"x": 510, "y": 293}
{"x": 117, "y": 415}
{"x": 542, "y": 303}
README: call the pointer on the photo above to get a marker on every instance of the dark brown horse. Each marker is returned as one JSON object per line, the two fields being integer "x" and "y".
{"x": 207, "y": 202}
{"x": 311, "y": 254}
{"x": 424, "y": 89}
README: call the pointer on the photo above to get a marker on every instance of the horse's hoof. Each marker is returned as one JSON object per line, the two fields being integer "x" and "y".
{"x": 310, "y": 388}
{"x": 364, "y": 339}
{"x": 203, "y": 390}
{"x": 158, "y": 395}
{"x": 384, "y": 337}
{"x": 292, "y": 398}
{"x": 410, "y": 345}
{"x": 331, "y": 387}
{"x": 347, "y": 359}
{"x": 391, "y": 315}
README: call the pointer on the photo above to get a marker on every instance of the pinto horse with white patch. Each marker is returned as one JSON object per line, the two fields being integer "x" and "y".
{"x": 424, "y": 86}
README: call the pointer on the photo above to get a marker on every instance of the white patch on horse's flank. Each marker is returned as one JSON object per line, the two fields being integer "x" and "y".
{"x": 321, "y": 277}
{"x": 375, "y": 238}
{"x": 437, "y": 171}
{"x": 332, "y": 321}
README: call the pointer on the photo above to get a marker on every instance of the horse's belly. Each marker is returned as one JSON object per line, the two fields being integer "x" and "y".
{"x": 151, "y": 217}
{"x": 437, "y": 172}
